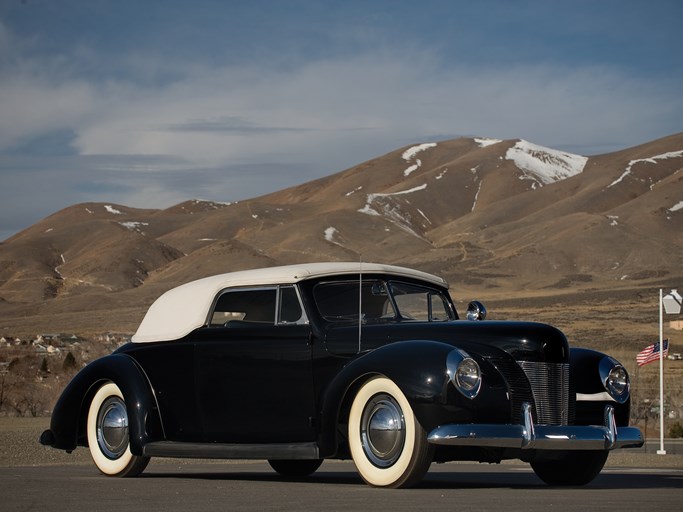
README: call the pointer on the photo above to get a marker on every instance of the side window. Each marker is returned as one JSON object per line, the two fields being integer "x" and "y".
{"x": 242, "y": 307}
{"x": 338, "y": 301}
{"x": 289, "y": 310}
{"x": 439, "y": 307}
{"x": 413, "y": 304}
{"x": 419, "y": 303}
{"x": 262, "y": 306}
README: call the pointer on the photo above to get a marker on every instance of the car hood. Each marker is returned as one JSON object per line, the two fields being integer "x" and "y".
{"x": 523, "y": 341}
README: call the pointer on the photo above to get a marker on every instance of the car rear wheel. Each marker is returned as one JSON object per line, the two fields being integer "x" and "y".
{"x": 295, "y": 468}
{"x": 569, "y": 468}
{"x": 108, "y": 434}
{"x": 388, "y": 445}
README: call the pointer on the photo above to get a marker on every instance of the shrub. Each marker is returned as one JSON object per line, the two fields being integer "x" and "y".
{"x": 676, "y": 430}
{"x": 44, "y": 369}
{"x": 69, "y": 362}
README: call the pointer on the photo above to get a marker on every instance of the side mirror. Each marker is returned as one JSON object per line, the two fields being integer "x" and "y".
{"x": 476, "y": 311}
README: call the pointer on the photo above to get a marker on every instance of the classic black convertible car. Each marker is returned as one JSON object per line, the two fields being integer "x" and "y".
{"x": 302, "y": 363}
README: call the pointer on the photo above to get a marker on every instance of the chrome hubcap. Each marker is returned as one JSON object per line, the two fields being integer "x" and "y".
{"x": 383, "y": 430}
{"x": 112, "y": 428}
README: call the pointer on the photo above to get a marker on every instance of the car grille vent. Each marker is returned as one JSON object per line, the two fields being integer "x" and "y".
{"x": 518, "y": 386}
{"x": 551, "y": 390}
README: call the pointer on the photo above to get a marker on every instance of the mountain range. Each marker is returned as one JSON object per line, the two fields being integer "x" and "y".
{"x": 499, "y": 219}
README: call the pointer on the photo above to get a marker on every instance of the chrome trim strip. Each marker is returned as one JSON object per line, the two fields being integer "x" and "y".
{"x": 610, "y": 427}
{"x": 231, "y": 451}
{"x": 540, "y": 437}
{"x": 529, "y": 433}
{"x": 594, "y": 397}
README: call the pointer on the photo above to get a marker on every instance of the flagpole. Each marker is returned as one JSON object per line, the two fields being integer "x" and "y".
{"x": 661, "y": 450}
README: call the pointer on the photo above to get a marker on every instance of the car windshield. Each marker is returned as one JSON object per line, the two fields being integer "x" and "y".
{"x": 380, "y": 301}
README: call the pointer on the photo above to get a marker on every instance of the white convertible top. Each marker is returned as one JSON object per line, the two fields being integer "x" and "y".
{"x": 181, "y": 310}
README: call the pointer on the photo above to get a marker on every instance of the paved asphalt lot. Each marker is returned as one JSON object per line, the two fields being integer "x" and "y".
{"x": 200, "y": 486}
{"x": 34, "y": 477}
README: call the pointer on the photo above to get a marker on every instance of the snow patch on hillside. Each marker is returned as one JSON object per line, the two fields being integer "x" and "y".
{"x": 410, "y": 153}
{"x": 476, "y": 196}
{"x": 651, "y": 160}
{"x": 330, "y": 234}
{"x": 372, "y": 197}
{"x": 134, "y": 226}
{"x": 544, "y": 165}
{"x": 390, "y": 209}
{"x": 112, "y": 210}
{"x": 424, "y": 216}
{"x": 212, "y": 204}
{"x": 485, "y": 141}
{"x": 676, "y": 207}
{"x": 412, "y": 168}
{"x": 59, "y": 274}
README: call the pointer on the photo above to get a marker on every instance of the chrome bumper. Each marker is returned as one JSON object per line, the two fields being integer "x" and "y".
{"x": 540, "y": 437}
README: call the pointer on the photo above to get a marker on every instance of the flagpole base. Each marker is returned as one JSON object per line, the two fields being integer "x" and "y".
{"x": 661, "y": 452}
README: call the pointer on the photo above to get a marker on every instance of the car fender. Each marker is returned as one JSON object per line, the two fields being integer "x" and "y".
{"x": 418, "y": 367}
{"x": 68, "y": 423}
{"x": 591, "y": 395}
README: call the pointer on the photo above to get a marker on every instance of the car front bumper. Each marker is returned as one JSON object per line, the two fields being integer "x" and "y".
{"x": 540, "y": 437}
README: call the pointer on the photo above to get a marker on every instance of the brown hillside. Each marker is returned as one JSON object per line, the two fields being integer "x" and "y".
{"x": 501, "y": 220}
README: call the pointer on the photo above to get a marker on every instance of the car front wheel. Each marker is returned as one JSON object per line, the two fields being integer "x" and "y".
{"x": 108, "y": 438}
{"x": 388, "y": 445}
{"x": 569, "y": 468}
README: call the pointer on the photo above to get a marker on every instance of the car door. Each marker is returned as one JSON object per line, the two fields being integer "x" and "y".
{"x": 253, "y": 368}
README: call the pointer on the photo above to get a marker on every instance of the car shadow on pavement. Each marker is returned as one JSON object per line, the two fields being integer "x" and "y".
{"x": 624, "y": 479}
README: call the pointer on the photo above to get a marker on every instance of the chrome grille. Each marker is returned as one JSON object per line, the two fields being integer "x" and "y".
{"x": 518, "y": 386}
{"x": 550, "y": 387}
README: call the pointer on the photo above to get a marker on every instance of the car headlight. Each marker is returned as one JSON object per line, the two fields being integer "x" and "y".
{"x": 464, "y": 372}
{"x": 615, "y": 379}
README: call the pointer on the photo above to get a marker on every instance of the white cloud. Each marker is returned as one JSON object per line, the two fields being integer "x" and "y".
{"x": 204, "y": 123}
{"x": 351, "y": 106}
{"x": 31, "y": 107}
{"x": 327, "y": 105}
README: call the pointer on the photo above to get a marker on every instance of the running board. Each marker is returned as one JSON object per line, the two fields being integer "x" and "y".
{"x": 231, "y": 451}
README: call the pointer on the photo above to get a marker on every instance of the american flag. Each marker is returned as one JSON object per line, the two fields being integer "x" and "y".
{"x": 651, "y": 353}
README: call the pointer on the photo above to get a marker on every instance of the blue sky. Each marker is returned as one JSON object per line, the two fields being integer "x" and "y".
{"x": 148, "y": 104}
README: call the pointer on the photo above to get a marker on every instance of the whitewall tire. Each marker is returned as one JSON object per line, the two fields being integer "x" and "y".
{"x": 108, "y": 437}
{"x": 388, "y": 445}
